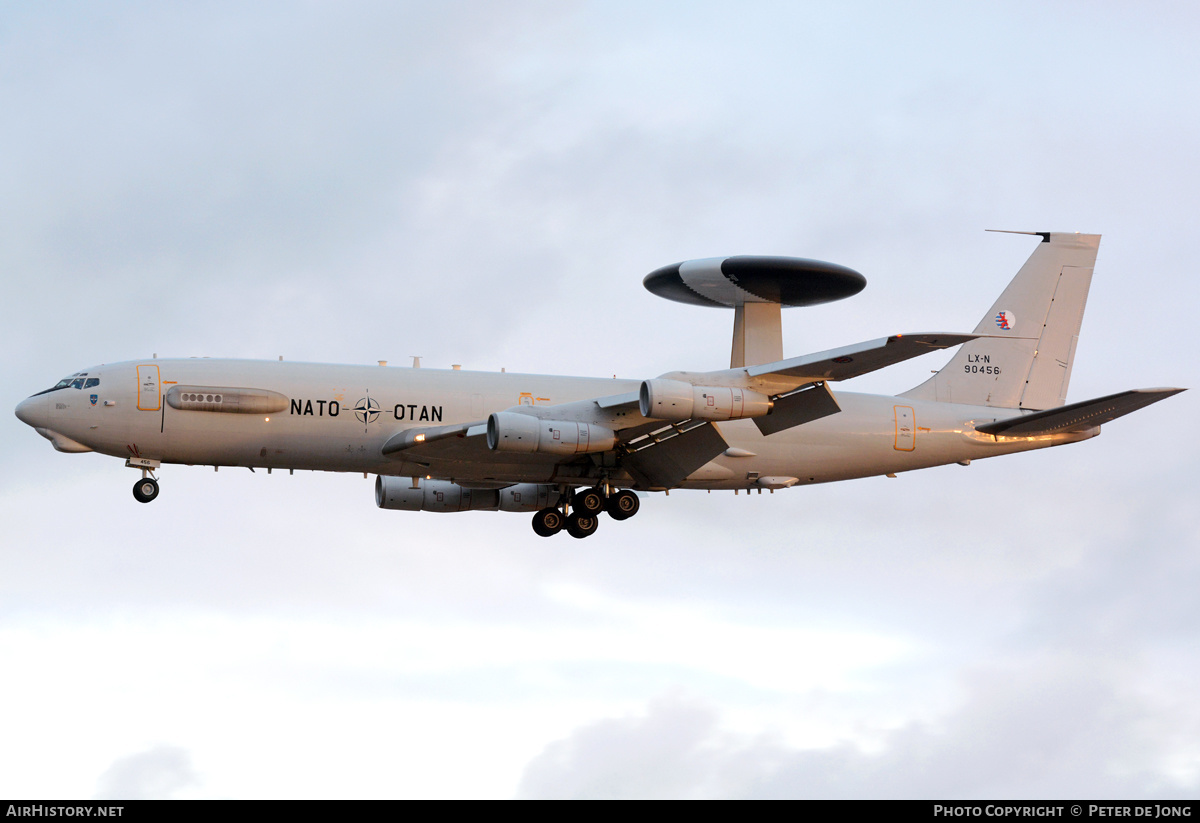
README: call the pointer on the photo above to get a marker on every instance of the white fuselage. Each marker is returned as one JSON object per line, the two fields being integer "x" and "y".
{"x": 337, "y": 418}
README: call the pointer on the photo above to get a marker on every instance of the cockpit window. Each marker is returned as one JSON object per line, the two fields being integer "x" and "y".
{"x": 78, "y": 380}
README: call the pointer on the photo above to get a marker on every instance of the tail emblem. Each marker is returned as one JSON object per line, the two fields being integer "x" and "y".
{"x": 1006, "y": 320}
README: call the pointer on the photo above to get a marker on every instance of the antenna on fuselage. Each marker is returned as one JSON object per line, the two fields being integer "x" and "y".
{"x": 757, "y": 289}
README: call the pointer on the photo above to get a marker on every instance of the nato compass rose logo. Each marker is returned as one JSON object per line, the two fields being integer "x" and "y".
{"x": 1006, "y": 320}
{"x": 366, "y": 410}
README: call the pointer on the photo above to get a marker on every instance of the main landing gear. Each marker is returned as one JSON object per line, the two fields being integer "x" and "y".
{"x": 548, "y": 522}
{"x": 581, "y": 525}
{"x": 581, "y": 517}
{"x": 622, "y": 505}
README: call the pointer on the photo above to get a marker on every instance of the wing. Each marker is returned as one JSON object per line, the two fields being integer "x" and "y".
{"x": 860, "y": 358}
{"x": 647, "y": 453}
{"x": 460, "y": 453}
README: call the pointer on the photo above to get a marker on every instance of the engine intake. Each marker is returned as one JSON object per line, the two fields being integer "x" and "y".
{"x": 663, "y": 399}
{"x": 514, "y": 432}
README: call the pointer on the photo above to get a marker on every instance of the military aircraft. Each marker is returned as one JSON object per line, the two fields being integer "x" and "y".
{"x": 569, "y": 448}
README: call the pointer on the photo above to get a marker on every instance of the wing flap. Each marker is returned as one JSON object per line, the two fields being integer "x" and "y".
{"x": 810, "y": 403}
{"x": 1083, "y": 415}
{"x": 665, "y": 457}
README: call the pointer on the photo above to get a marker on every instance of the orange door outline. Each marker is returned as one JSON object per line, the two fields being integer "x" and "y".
{"x": 146, "y": 378}
{"x": 906, "y": 429}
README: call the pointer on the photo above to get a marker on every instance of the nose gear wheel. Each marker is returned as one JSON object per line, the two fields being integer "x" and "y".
{"x": 145, "y": 490}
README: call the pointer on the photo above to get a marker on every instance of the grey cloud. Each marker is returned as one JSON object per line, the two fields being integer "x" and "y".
{"x": 154, "y": 774}
{"x": 1139, "y": 580}
{"x": 1044, "y": 728}
{"x": 666, "y": 753}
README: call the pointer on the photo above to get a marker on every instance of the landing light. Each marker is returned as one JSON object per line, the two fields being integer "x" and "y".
{"x": 420, "y": 438}
{"x": 267, "y": 419}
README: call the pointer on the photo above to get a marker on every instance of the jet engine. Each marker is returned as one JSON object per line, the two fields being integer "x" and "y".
{"x": 445, "y": 496}
{"x": 662, "y": 399}
{"x": 528, "y": 497}
{"x": 514, "y": 432}
{"x": 431, "y": 496}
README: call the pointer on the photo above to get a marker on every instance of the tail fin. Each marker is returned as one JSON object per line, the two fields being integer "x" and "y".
{"x": 1025, "y": 360}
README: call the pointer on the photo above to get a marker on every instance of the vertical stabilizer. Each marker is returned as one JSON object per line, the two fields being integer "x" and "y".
{"x": 1025, "y": 362}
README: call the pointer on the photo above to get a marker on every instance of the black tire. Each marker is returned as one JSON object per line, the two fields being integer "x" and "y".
{"x": 548, "y": 522}
{"x": 622, "y": 505}
{"x": 588, "y": 501}
{"x": 145, "y": 490}
{"x": 581, "y": 525}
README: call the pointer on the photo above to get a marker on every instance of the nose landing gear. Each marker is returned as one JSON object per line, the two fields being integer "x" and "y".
{"x": 145, "y": 490}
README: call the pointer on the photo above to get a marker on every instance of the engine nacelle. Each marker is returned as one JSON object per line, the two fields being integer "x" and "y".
{"x": 662, "y": 399}
{"x": 431, "y": 496}
{"x": 527, "y": 497}
{"x": 444, "y": 496}
{"x": 514, "y": 432}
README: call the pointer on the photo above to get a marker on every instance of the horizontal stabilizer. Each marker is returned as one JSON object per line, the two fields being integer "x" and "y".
{"x": 1077, "y": 416}
{"x": 860, "y": 358}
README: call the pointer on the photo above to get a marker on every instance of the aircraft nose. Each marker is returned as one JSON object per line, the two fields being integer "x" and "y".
{"x": 32, "y": 411}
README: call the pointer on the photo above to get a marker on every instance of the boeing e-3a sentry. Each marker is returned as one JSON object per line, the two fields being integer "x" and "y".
{"x": 570, "y": 448}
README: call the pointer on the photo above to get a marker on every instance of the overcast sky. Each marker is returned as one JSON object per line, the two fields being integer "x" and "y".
{"x": 487, "y": 184}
